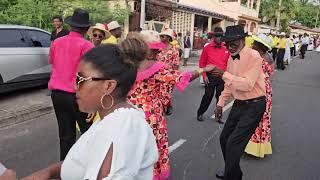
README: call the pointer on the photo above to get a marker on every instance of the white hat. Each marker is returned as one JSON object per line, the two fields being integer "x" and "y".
{"x": 263, "y": 39}
{"x": 98, "y": 26}
{"x": 152, "y": 38}
{"x": 113, "y": 25}
{"x": 168, "y": 32}
{"x": 282, "y": 34}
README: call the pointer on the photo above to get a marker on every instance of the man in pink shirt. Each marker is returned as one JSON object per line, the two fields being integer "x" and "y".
{"x": 65, "y": 55}
{"x": 216, "y": 54}
{"x": 245, "y": 82}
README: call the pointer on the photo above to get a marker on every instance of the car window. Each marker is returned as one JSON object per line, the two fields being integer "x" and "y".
{"x": 38, "y": 38}
{"x": 12, "y": 38}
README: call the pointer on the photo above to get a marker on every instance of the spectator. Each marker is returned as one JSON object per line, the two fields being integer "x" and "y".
{"x": 115, "y": 32}
{"x": 187, "y": 48}
{"x": 97, "y": 34}
{"x": 59, "y": 31}
{"x": 65, "y": 54}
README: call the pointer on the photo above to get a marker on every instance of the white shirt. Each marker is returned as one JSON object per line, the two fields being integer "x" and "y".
{"x": 134, "y": 148}
{"x": 305, "y": 40}
{"x": 296, "y": 40}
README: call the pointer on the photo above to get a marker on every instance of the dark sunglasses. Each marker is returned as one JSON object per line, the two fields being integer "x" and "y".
{"x": 98, "y": 35}
{"x": 80, "y": 79}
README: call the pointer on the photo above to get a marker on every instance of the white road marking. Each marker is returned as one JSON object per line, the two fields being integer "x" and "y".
{"x": 176, "y": 145}
{"x": 225, "y": 108}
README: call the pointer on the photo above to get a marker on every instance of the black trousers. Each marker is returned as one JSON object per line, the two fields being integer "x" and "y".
{"x": 292, "y": 51}
{"x": 243, "y": 119}
{"x": 216, "y": 85}
{"x": 274, "y": 52}
{"x": 67, "y": 113}
{"x": 280, "y": 64}
{"x": 303, "y": 50}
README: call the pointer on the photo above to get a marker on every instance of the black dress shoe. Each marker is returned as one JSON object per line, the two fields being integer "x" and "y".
{"x": 220, "y": 174}
{"x": 169, "y": 110}
{"x": 200, "y": 118}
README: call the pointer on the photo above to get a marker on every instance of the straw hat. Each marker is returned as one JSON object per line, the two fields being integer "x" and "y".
{"x": 167, "y": 32}
{"x": 152, "y": 38}
{"x": 98, "y": 26}
{"x": 113, "y": 25}
{"x": 263, "y": 39}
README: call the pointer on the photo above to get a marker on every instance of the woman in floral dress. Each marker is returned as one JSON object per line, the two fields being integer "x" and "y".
{"x": 169, "y": 55}
{"x": 149, "y": 90}
{"x": 260, "y": 142}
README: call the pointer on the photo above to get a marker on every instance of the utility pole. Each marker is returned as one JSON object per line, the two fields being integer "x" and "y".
{"x": 279, "y": 15}
{"x": 142, "y": 13}
{"x": 315, "y": 26}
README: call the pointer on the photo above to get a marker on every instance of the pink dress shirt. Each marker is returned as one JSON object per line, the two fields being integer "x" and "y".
{"x": 65, "y": 55}
{"x": 244, "y": 78}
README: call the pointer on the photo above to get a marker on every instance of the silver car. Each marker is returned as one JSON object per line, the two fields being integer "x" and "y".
{"x": 23, "y": 57}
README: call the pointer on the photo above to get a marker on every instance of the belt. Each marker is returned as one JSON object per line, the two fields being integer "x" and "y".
{"x": 254, "y": 100}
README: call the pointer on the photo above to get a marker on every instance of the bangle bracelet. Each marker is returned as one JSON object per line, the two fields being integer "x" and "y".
{"x": 200, "y": 71}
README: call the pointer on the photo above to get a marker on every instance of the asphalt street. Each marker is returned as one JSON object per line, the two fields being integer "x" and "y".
{"x": 196, "y": 153}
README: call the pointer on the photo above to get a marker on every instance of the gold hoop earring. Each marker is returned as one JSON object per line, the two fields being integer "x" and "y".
{"x": 101, "y": 102}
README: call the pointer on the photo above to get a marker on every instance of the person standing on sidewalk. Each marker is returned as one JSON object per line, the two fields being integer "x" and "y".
{"x": 187, "y": 48}
{"x": 217, "y": 55}
{"x": 59, "y": 31}
{"x": 304, "y": 45}
{"x": 245, "y": 82}
{"x": 65, "y": 55}
{"x": 282, "y": 45}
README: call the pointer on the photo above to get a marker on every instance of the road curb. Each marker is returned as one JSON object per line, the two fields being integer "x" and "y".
{"x": 9, "y": 118}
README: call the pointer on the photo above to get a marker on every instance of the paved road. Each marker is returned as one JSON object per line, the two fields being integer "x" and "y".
{"x": 295, "y": 138}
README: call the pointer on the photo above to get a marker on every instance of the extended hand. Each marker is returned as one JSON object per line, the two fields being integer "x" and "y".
{"x": 8, "y": 175}
{"x": 209, "y": 68}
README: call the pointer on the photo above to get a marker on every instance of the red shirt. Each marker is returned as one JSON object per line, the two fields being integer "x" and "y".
{"x": 65, "y": 55}
{"x": 217, "y": 56}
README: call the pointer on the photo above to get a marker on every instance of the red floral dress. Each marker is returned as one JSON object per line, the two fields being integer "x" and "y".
{"x": 147, "y": 93}
{"x": 169, "y": 56}
{"x": 260, "y": 142}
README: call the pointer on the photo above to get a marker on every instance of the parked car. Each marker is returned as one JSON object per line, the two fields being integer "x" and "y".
{"x": 23, "y": 57}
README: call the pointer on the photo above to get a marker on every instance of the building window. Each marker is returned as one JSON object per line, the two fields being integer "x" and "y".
{"x": 254, "y": 4}
{"x": 253, "y": 27}
{"x": 244, "y": 2}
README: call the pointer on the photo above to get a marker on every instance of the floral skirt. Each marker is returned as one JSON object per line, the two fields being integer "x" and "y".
{"x": 260, "y": 142}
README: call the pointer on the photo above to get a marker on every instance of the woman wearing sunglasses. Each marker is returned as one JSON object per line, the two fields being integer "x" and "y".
{"x": 121, "y": 145}
{"x": 97, "y": 34}
{"x": 150, "y": 91}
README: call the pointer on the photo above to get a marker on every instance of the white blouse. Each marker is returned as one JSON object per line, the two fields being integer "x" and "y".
{"x": 134, "y": 149}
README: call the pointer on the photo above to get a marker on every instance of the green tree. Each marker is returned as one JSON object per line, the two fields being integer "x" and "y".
{"x": 28, "y": 12}
{"x": 307, "y": 14}
{"x": 288, "y": 11}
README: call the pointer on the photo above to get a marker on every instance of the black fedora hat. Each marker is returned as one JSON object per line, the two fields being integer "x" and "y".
{"x": 234, "y": 33}
{"x": 80, "y": 18}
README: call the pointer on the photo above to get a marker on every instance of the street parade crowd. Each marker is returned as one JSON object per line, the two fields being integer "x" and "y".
{"x": 117, "y": 95}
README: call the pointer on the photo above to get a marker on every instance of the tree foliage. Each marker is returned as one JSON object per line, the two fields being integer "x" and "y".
{"x": 38, "y": 13}
{"x": 301, "y": 11}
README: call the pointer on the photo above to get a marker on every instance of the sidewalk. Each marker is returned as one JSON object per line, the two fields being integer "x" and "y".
{"x": 22, "y": 106}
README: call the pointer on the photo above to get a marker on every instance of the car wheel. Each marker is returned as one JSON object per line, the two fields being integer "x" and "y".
{"x": 1, "y": 80}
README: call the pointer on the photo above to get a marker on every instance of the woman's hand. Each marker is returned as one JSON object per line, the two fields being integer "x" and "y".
{"x": 40, "y": 175}
{"x": 8, "y": 175}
